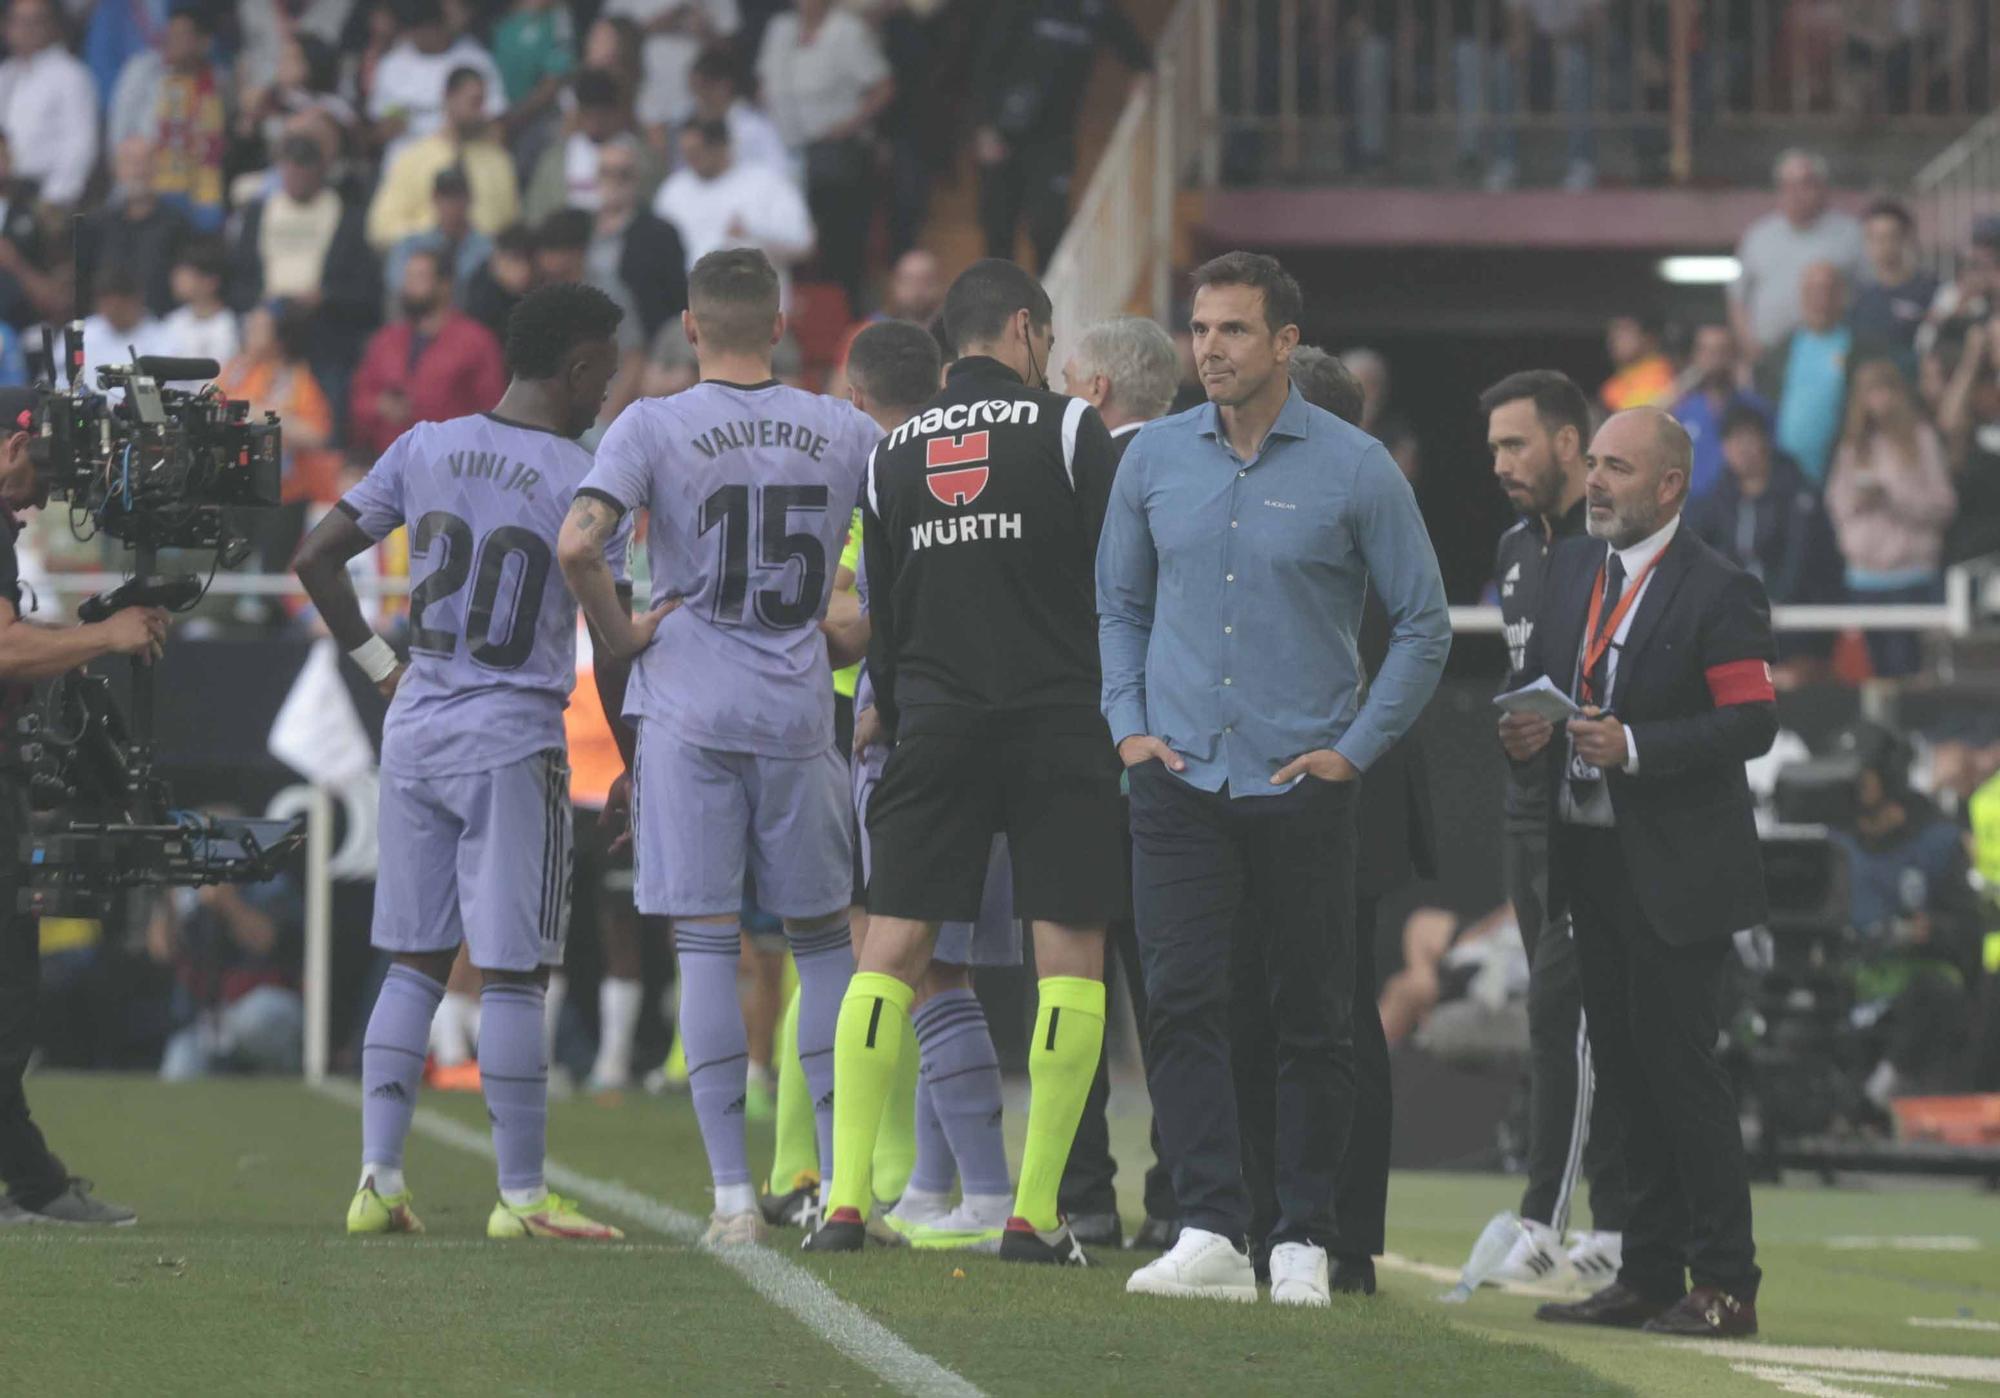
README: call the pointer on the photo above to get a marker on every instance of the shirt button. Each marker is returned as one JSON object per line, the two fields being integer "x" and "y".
{"x": 1229, "y": 577}
{"x": 1232, "y": 524}
{"x": 1227, "y": 680}
{"x": 1229, "y": 631}
{"x": 1241, "y": 474}
{"x": 1228, "y": 728}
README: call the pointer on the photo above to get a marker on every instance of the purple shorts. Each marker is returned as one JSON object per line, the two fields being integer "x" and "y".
{"x": 702, "y": 817}
{"x": 481, "y": 858}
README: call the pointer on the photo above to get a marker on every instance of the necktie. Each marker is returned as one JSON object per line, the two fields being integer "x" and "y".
{"x": 1614, "y": 588}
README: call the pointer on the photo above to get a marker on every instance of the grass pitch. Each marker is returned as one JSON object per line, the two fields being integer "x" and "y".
{"x": 239, "y": 1279}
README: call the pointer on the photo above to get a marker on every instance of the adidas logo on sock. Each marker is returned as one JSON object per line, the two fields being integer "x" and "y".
{"x": 392, "y": 1091}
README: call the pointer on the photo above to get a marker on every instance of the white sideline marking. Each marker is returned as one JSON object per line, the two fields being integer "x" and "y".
{"x": 1905, "y": 1242}
{"x": 1858, "y": 1364}
{"x": 1953, "y": 1323}
{"x": 1450, "y": 1274}
{"x": 868, "y": 1343}
{"x": 1825, "y": 1383}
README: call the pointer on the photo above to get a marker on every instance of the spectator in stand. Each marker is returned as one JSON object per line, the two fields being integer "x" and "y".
{"x": 265, "y": 29}
{"x": 121, "y": 331}
{"x": 534, "y": 47}
{"x": 1766, "y": 517}
{"x": 1713, "y": 387}
{"x": 1805, "y": 372}
{"x": 175, "y": 98}
{"x": 1642, "y": 375}
{"x": 916, "y": 293}
{"x": 305, "y": 244}
{"x": 404, "y": 201}
{"x": 918, "y": 127}
{"x": 633, "y": 246}
{"x": 670, "y": 364}
{"x": 137, "y": 229}
{"x": 202, "y": 326}
{"x": 1967, "y": 304}
{"x": 272, "y": 375}
{"x": 406, "y": 99}
{"x": 716, "y": 203}
{"x": 1567, "y": 30}
{"x": 1379, "y": 417}
{"x": 1035, "y": 58}
{"x": 1765, "y": 302}
{"x": 565, "y": 176}
{"x": 716, "y": 80}
{"x": 451, "y": 235}
{"x": 676, "y": 31}
{"x": 235, "y": 954}
{"x": 825, "y": 80}
{"x": 1891, "y": 499}
{"x": 28, "y": 291}
{"x": 430, "y": 364}
{"x": 568, "y": 249}
{"x": 48, "y": 105}
{"x": 614, "y": 44}
{"x": 306, "y": 79}
{"x": 497, "y": 287}
{"x": 1895, "y": 294}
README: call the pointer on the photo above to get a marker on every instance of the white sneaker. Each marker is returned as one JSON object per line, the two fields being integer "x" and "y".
{"x": 1298, "y": 1275}
{"x": 744, "y": 1230}
{"x": 1596, "y": 1257}
{"x": 1201, "y": 1264}
{"x": 1537, "y": 1255}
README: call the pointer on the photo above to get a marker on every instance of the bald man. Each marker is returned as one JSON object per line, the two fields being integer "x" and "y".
{"x": 1664, "y": 647}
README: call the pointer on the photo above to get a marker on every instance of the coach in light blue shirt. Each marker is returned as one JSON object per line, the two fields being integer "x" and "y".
{"x": 1239, "y": 540}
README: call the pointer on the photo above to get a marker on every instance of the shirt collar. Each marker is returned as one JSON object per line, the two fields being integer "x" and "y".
{"x": 983, "y": 365}
{"x": 1639, "y": 556}
{"x": 1294, "y": 419}
{"x": 1127, "y": 430}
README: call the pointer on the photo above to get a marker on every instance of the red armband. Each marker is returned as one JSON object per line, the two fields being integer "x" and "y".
{"x": 1741, "y": 682}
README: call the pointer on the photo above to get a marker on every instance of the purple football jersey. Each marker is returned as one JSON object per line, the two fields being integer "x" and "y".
{"x": 492, "y": 627}
{"x": 750, "y": 490}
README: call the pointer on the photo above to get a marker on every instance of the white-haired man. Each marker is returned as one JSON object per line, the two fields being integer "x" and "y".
{"x": 1127, "y": 368}
{"x": 1776, "y": 250}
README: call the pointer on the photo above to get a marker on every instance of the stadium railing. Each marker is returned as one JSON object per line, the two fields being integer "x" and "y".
{"x": 1956, "y": 189}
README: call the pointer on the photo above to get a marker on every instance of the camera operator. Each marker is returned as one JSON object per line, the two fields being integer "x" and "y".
{"x": 1915, "y": 915}
{"x": 39, "y": 1186}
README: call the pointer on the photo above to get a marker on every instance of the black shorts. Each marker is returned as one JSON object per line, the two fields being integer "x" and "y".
{"x": 1055, "y": 796}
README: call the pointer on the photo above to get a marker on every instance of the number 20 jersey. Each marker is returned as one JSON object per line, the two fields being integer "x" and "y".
{"x": 492, "y": 626}
{"x": 750, "y": 490}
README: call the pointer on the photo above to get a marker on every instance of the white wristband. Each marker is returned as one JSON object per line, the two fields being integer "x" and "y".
{"x": 376, "y": 659}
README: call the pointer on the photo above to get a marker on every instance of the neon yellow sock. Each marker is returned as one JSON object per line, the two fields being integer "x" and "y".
{"x": 796, "y": 1150}
{"x": 896, "y": 1143}
{"x": 867, "y": 1044}
{"x": 1062, "y": 1060}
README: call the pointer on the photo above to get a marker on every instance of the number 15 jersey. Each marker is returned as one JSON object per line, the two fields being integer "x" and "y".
{"x": 750, "y": 488}
{"x": 492, "y": 627}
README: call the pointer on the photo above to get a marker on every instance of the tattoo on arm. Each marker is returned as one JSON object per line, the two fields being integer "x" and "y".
{"x": 597, "y": 520}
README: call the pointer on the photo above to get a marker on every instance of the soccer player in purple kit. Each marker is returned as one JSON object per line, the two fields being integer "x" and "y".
{"x": 750, "y": 486}
{"x": 475, "y": 816}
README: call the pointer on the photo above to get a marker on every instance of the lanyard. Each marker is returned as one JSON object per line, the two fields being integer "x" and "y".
{"x": 1600, "y": 641}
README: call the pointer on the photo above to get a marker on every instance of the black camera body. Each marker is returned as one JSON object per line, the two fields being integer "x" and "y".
{"x": 154, "y": 466}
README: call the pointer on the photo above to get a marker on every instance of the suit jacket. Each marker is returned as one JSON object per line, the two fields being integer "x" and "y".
{"x": 1396, "y": 826}
{"x": 1694, "y": 686}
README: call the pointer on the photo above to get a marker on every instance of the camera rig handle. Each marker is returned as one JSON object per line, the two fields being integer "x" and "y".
{"x": 172, "y": 591}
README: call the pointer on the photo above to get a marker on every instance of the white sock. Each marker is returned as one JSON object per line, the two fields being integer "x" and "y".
{"x": 922, "y": 1206}
{"x": 522, "y": 1198}
{"x": 985, "y": 1210}
{"x": 735, "y": 1199}
{"x": 552, "y": 1004}
{"x": 455, "y": 1029}
{"x": 618, "y": 1020}
{"x": 388, "y": 1178}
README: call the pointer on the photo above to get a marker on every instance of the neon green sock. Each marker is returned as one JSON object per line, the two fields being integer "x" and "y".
{"x": 796, "y": 1151}
{"x": 867, "y": 1045}
{"x": 896, "y": 1143}
{"x": 1062, "y": 1060}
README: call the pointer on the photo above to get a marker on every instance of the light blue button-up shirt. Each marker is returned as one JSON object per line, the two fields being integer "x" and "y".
{"x": 1229, "y": 596}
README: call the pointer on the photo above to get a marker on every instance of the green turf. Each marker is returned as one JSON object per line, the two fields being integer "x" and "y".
{"x": 238, "y": 1280}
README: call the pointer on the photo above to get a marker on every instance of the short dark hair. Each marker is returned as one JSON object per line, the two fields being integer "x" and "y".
{"x": 433, "y": 255}
{"x": 413, "y": 14}
{"x": 896, "y": 362}
{"x": 1325, "y": 382}
{"x": 460, "y": 76}
{"x": 1887, "y": 207}
{"x": 1284, "y": 303}
{"x": 553, "y": 320}
{"x": 1739, "y": 417}
{"x": 715, "y": 133}
{"x": 733, "y": 295}
{"x": 986, "y": 296}
{"x": 516, "y": 238}
{"x": 292, "y": 325}
{"x": 195, "y": 13}
{"x": 1559, "y": 403}
{"x": 117, "y": 280}
{"x": 943, "y": 338}
{"x": 207, "y": 255}
{"x": 565, "y": 230}
{"x": 718, "y": 61}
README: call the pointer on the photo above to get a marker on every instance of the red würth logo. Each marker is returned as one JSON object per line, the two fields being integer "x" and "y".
{"x": 953, "y": 479}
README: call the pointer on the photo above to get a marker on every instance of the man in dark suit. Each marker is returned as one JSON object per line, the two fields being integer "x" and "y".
{"x": 1653, "y": 845}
